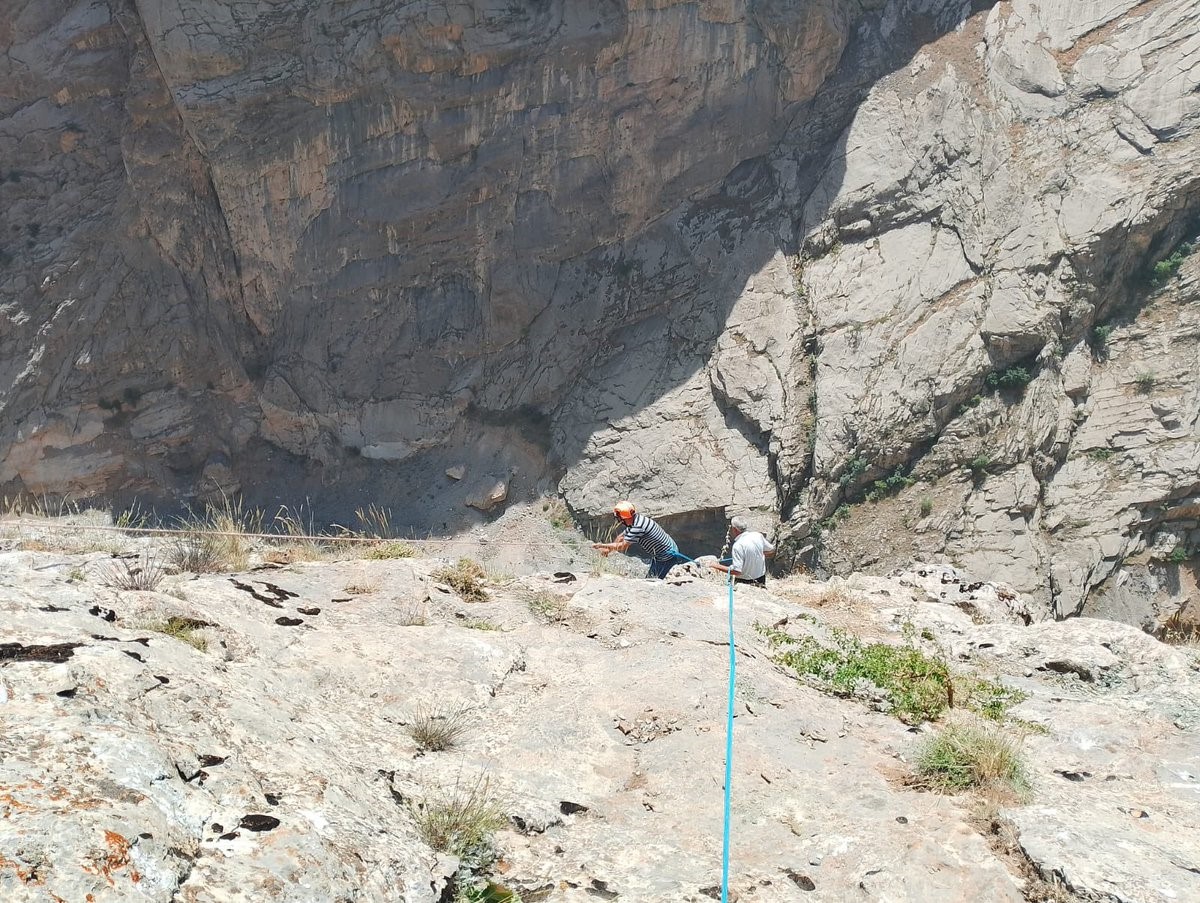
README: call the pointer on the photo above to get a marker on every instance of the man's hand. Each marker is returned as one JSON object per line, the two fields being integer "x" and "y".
{"x": 603, "y": 548}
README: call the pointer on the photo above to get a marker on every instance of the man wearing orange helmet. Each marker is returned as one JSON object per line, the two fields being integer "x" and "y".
{"x": 647, "y": 539}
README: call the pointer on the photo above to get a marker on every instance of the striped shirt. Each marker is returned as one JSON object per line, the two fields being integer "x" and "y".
{"x": 648, "y": 540}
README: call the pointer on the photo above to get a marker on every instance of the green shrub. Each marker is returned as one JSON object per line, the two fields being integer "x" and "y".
{"x": 964, "y": 756}
{"x": 488, "y": 892}
{"x": 926, "y": 506}
{"x": 1163, "y": 271}
{"x": 990, "y": 699}
{"x": 854, "y": 469}
{"x": 1145, "y": 382}
{"x": 918, "y": 687}
{"x": 881, "y": 489}
{"x": 1178, "y": 555}
{"x": 1100, "y": 454}
{"x": 1100, "y": 335}
{"x": 980, "y": 463}
{"x": 1009, "y": 378}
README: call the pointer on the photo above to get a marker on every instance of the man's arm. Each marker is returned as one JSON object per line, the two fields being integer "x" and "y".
{"x": 620, "y": 544}
{"x": 735, "y": 564}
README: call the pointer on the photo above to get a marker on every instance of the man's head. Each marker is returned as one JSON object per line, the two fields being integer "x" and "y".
{"x": 625, "y": 512}
{"x": 738, "y": 525}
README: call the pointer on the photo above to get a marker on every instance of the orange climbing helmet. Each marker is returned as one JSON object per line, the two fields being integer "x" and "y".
{"x": 625, "y": 511}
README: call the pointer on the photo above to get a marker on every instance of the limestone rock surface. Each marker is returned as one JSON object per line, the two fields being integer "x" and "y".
{"x": 276, "y": 764}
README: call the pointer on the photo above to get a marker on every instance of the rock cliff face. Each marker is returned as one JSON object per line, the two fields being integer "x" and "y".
{"x": 712, "y": 254}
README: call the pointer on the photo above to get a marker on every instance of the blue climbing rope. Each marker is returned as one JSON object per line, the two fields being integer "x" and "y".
{"x": 728, "y": 734}
{"x": 728, "y": 750}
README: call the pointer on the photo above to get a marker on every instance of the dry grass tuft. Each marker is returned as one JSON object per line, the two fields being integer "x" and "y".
{"x": 968, "y": 756}
{"x": 182, "y": 629}
{"x": 295, "y": 526}
{"x": 436, "y": 727}
{"x": 461, "y": 819}
{"x": 413, "y": 615}
{"x": 547, "y": 606}
{"x": 142, "y": 573}
{"x": 215, "y": 541}
{"x": 390, "y": 550}
{"x": 467, "y": 578}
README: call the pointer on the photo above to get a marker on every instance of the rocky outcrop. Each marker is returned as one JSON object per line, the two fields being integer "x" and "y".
{"x": 979, "y": 263}
{"x": 716, "y": 255}
{"x": 276, "y": 762}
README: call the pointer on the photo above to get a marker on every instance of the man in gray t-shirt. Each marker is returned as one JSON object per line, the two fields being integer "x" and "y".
{"x": 749, "y": 554}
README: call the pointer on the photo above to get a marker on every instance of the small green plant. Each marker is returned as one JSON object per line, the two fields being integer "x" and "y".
{"x": 467, "y": 578}
{"x": 1008, "y": 378}
{"x": 142, "y": 573}
{"x": 390, "y": 550}
{"x": 437, "y": 728}
{"x": 461, "y": 819}
{"x": 182, "y": 629}
{"x": 132, "y": 518}
{"x": 1166, "y": 269}
{"x": 973, "y": 402}
{"x": 980, "y": 463}
{"x": 1100, "y": 336}
{"x": 965, "y": 756}
{"x": 547, "y": 606}
{"x": 1145, "y": 382}
{"x": 989, "y": 699}
{"x": 881, "y": 489}
{"x": 1100, "y": 454}
{"x": 76, "y": 576}
{"x": 486, "y": 892}
{"x": 926, "y": 506}
{"x": 854, "y": 469}
{"x": 479, "y": 624}
{"x": 1178, "y": 555}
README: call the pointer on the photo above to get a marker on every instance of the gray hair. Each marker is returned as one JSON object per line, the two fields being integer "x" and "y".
{"x": 740, "y": 524}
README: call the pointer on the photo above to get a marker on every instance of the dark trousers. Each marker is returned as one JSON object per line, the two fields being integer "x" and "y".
{"x": 659, "y": 568}
{"x": 761, "y": 581}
